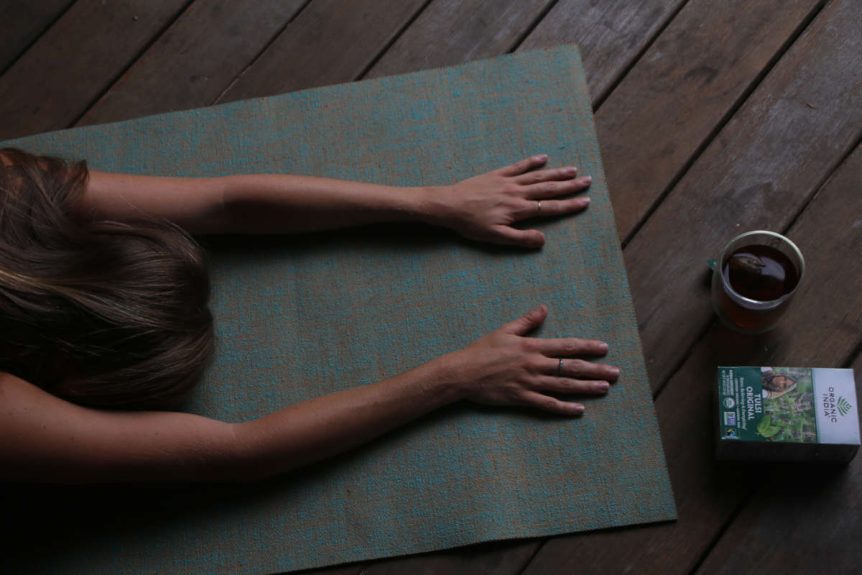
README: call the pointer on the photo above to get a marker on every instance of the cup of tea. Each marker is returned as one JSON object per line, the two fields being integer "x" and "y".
{"x": 754, "y": 280}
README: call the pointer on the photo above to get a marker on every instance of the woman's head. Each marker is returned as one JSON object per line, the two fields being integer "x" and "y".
{"x": 101, "y": 313}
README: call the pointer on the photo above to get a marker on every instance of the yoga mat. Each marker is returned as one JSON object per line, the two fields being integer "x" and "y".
{"x": 303, "y": 316}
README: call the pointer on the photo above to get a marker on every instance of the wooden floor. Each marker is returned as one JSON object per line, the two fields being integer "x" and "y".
{"x": 713, "y": 117}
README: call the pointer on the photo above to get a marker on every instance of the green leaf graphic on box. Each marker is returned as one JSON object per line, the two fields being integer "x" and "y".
{"x": 766, "y": 428}
{"x": 843, "y": 406}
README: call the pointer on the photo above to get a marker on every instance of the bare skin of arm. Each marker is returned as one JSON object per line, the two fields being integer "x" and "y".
{"x": 47, "y": 439}
{"x": 483, "y": 207}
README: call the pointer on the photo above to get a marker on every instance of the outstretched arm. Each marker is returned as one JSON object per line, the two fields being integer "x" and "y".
{"x": 50, "y": 440}
{"x": 483, "y": 207}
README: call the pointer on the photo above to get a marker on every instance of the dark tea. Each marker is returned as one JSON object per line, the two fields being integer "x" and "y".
{"x": 761, "y": 273}
{"x": 752, "y": 287}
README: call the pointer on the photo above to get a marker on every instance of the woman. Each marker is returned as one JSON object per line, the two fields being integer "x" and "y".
{"x": 104, "y": 324}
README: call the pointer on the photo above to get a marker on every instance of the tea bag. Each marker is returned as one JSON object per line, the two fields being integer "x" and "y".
{"x": 756, "y": 276}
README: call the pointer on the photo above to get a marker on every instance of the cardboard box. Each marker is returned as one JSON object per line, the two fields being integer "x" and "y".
{"x": 786, "y": 414}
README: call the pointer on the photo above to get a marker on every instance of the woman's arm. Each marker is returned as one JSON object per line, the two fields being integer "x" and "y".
{"x": 483, "y": 207}
{"x": 48, "y": 439}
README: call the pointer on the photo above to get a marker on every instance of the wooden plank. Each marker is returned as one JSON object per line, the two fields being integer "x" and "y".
{"x": 689, "y": 79}
{"x": 757, "y": 173}
{"x": 52, "y": 84}
{"x": 451, "y": 32}
{"x": 331, "y": 41}
{"x": 797, "y": 510}
{"x": 22, "y": 22}
{"x": 195, "y": 59}
{"x": 609, "y": 34}
{"x": 708, "y": 493}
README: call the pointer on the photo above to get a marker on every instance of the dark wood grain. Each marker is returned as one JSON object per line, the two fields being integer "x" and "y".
{"x": 195, "y": 59}
{"x": 451, "y": 32}
{"x": 708, "y": 493}
{"x": 610, "y": 34}
{"x": 52, "y": 84}
{"x": 757, "y": 173}
{"x": 22, "y": 22}
{"x": 685, "y": 84}
{"x": 331, "y": 41}
{"x": 802, "y": 520}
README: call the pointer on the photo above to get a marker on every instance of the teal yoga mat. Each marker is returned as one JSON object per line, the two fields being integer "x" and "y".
{"x": 299, "y": 317}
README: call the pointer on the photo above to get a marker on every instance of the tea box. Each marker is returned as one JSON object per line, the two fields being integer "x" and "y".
{"x": 786, "y": 414}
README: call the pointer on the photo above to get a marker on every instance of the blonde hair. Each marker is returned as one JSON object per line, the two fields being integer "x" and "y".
{"x": 101, "y": 313}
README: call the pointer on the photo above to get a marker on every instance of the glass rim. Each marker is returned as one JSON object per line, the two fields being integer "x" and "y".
{"x": 761, "y": 304}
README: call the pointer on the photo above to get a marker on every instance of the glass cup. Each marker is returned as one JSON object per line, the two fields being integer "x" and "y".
{"x": 754, "y": 260}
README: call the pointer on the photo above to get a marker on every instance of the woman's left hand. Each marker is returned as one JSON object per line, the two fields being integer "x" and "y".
{"x": 484, "y": 207}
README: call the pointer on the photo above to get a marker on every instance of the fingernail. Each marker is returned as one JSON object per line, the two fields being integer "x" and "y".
{"x": 603, "y": 386}
{"x": 577, "y": 408}
{"x": 570, "y": 171}
{"x": 542, "y": 157}
{"x": 615, "y": 371}
{"x": 603, "y": 346}
{"x": 589, "y": 179}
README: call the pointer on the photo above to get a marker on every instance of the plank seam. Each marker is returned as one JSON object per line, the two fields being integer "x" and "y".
{"x": 37, "y": 38}
{"x": 260, "y": 53}
{"x": 132, "y": 62}
{"x": 854, "y": 355}
{"x": 725, "y": 119}
{"x": 703, "y": 333}
{"x": 392, "y": 41}
{"x": 714, "y": 541}
{"x": 600, "y": 99}
{"x": 536, "y": 21}
{"x": 825, "y": 180}
{"x": 533, "y": 556}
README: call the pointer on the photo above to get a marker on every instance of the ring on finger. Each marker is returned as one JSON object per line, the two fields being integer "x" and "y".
{"x": 538, "y": 207}
{"x": 560, "y": 368}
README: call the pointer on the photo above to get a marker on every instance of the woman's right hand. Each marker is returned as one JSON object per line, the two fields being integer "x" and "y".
{"x": 507, "y": 368}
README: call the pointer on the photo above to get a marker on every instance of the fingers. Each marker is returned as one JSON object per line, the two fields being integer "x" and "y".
{"x": 524, "y": 165}
{"x": 573, "y": 386}
{"x": 527, "y": 322}
{"x": 553, "y": 189}
{"x": 548, "y": 175}
{"x": 578, "y": 369}
{"x": 552, "y": 404}
{"x": 513, "y": 236}
{"x": 571, "y": 346}
{"x": 556, "y": 207}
